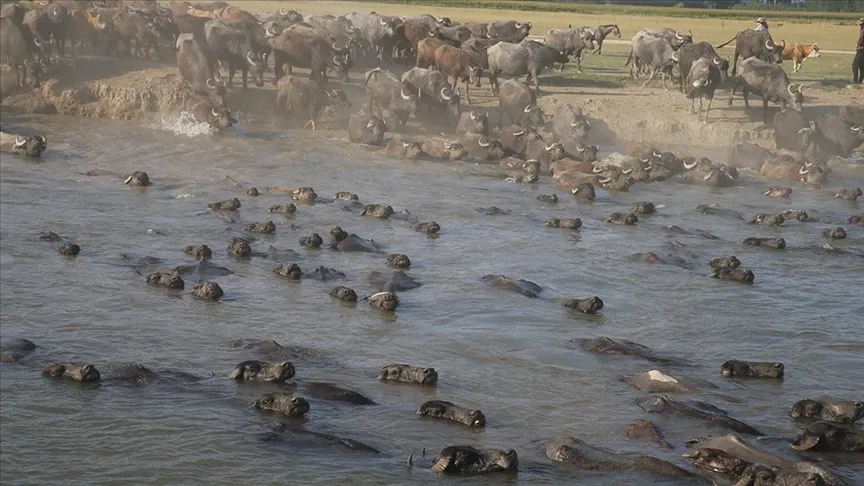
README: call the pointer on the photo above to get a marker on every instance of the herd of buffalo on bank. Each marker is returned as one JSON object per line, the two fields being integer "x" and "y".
{"x": 529, "y": 145}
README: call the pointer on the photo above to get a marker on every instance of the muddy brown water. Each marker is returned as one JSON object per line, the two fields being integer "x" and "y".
{"x": 505, "y": 354}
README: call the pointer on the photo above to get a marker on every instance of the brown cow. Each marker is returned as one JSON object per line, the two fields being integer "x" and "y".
{"x": 456, "y": 64}
{"x": 426, "y": 51}
{"x": 84, "y": 27}
{"x": 798, "y": 52}
{"x": 306, "y": 97}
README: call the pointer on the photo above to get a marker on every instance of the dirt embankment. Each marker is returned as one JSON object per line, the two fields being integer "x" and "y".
{"x": 134, "y": 89}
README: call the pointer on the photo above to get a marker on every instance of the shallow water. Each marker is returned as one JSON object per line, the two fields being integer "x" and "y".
{"x": 500, "y": 352}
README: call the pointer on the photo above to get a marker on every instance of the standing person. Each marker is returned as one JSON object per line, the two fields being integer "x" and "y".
{"x": 858, "y": 62}
{"x": 762, "y": 25}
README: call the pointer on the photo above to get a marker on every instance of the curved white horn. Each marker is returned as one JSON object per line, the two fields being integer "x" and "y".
{"x": 574, "y": 123}
{"x": 251, "y": 58}
{"x": 808, "y": 164}
{"x": 214, "y": 113}
{"x": 444, "y": 95}
{"x": 44, "y": 140}
{"x": 597, "y": 169}
{"x": 580, "y": 149}
{"x": 527, "y": 109}
{"x": 473, "y": 115}
{"x": 803, "y": 170}
{"x": 549, "y": 147}
{"x": 404, "y": 96}
{"x": 271, "y": 31}
{"x": 769, "y": 44}
{"x": 657, "y": 154}
{"x": 519, "y": 133}
{"x": 20, "y": 142}
{"x": 708, "y": 176}
{"x": 675, "y": 56}
{"x": 211, "y": 83}
{"x": 604, "y": 180}
{"x": 481, "y": 143}
{"x": 678, "y": 35}
{"x": 370, "y": 124}
{"x": 282, "y": 11}
{"x": 383, "y": 22}
{"x": 716, "y": 60}
{"x": 627, "y": 171}
{"x": 789, "y": 89}
{"x": 518, "y": 25}
{"x": 406, "y": 145}
{"x": 691, "y": 166}
{"x": 801, "y": 88}
{"x": 856, "y": 128}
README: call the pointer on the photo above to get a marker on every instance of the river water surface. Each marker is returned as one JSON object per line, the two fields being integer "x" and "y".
{"x": 500, "y": 352}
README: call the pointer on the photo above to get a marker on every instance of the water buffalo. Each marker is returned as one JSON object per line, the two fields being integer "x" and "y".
{"x": 526, "y": 58}
{"x": 702, "y": 81}
{"x": 204, "y": 110}
{"x": 788, "y": 124}
{"x": 306, "y": 97}
{"x": 468, "y": 460}
{"x": 837, "y": 137}
{"x": 231, "y": 43}
{"x": 385, "y": 90}
{"x": 366, "y": 129}
{"x": 377, "y": 30}
{"x": 518, "y": 102}
{"x": 434, "y": 91}
{"x": 768, "y": 81}
{"x": 828, "y": 437}
{"x": 15, "y": 53}
{"x": 570, "y": 42}
{"x": 481, "y": 147}
{"x": 299, "y": 49}
{"x": 58, "y": 14}
{"x": 197, "y": 68}
{"x": 132, "y": 27}
{"x": 24, "y": 146}
{"x": 508, "y": 31}
{"x": 750, "y": 43}
{"x": 690, "y": 53}
{"x": 477, "y": 49}
{"x": 652, "y": 52}
{"x": 829, "y": 410}
{"x": 580, "y": 454}
{"x": 458, "y": 66}
{"x": 443, "y": 150}
{"x": 473, "y": 122}
{"x": 569, "y": 123}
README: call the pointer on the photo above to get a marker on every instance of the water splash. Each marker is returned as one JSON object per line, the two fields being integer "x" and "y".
{"x": 186, "y": 124}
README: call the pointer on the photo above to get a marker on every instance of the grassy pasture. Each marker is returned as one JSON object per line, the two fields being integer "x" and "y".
{"x": 830, "y": 70}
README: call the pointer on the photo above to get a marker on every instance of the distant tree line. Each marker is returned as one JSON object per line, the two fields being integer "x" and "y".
{"x": 810, "y": 5}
